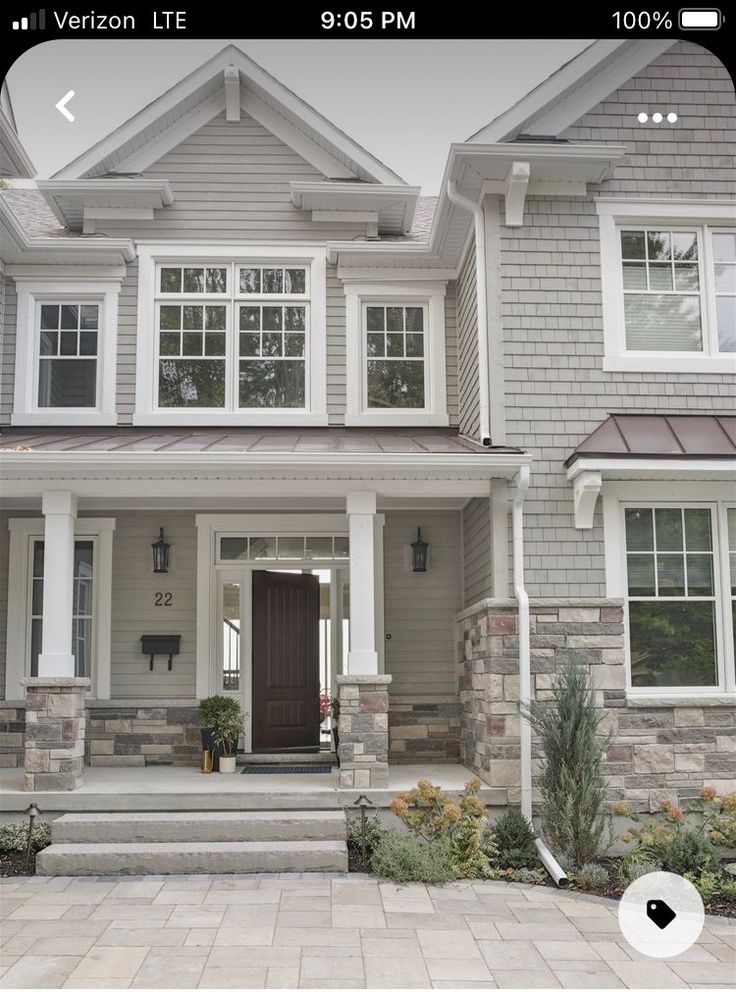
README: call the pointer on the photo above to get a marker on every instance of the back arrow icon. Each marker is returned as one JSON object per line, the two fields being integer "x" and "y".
{"x": 62, "y": 108}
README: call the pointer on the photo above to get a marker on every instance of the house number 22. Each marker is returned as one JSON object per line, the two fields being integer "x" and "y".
{"x": 163, "y": 598}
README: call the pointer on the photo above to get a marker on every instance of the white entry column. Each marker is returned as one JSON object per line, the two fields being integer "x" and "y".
{"x": 362, "y": 657}
{"x": 60, "y": 513}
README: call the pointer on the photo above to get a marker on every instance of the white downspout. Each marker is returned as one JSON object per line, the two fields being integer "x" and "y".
{"x": 525, "y": 676}
{"x": 484, "y": 419}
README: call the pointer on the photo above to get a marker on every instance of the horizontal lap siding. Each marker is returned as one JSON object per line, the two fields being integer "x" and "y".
{"x": 467, "y": 345}
{"x": 420, "y": 607}
{"x": 556, "y": 390}
{"x": 134, "y": 585}
{"x": 7, "y": 351}
{"x": 477, "y": 567}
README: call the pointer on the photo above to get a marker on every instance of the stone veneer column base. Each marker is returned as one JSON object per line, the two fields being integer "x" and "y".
{"x": 55, "y": 726}
{"x": 363, "y": 730}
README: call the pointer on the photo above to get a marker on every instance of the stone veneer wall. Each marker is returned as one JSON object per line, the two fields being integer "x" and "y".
{"x": 12, "y": 731}
{"x": 661, "y": 749}
{"x": 423, "y": 728}
{"x": 143, "y": 734}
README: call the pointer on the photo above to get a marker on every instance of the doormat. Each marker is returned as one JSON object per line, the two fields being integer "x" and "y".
{"x": 274, "y": 768}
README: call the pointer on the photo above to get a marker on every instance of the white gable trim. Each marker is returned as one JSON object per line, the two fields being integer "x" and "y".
{"x": 255, "y": 82}
{"x": 574, "y": 89}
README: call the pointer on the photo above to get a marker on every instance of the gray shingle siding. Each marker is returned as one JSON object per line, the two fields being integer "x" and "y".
{"x": 556, "y": 390}
{"x": 467, "y": 345}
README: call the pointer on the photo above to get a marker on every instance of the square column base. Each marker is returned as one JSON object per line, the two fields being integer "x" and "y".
{"x": 363, "y": 728}
{"x": 54, "y": 735}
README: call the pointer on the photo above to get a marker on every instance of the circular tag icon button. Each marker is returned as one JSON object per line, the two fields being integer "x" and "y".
{"x": 661, "y": 915}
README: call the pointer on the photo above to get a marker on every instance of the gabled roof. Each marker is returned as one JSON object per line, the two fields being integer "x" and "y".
{"x": 226, "y": 81}
{"x": 14, "y": 159}
{"x": 573, "y": 90}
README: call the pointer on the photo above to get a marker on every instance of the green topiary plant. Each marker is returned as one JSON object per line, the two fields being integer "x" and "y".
{"x": 210, "y": 708}
{"x": 14, "y": 836}
{"x": 406, "y": 859}
{"x": 514, "y": 840}
{"x": 571, "y": 780}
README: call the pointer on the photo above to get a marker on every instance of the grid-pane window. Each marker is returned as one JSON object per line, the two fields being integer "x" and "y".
{"x": 724, "y": 276}
{"x": 82, "y": 609}
{"x": 67, "y": 365}
{"x": 672, "y": 607}
{"x": 662, "y": 290}
{"x": 297, "y": 547}
{"x": 232, "y": 336}
{"x": 272, "y": 346}
{"x": 395, "y": 356}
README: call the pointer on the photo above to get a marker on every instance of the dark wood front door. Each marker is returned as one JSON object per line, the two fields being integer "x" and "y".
{"x": 285, "y": 660}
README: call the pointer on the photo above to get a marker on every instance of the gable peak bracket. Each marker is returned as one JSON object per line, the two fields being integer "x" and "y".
{"x": 585, "y": 489}
{"x": 232, "y": 93}
{"x": 515, "y": 189}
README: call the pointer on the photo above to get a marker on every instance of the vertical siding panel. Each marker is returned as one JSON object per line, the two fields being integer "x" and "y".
{"x": 467, "y": 346}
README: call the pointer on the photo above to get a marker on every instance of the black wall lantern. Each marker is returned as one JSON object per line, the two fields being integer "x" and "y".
{"x": 160, "y": 554}
{"x": 419, "y": 553}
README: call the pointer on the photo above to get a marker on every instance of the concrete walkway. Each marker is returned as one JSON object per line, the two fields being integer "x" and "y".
{"x": 317, "y": 932}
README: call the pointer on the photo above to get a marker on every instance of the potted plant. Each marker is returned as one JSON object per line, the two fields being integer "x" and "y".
{"x": 227, "y": 728}
{"x": 211, "y": 711}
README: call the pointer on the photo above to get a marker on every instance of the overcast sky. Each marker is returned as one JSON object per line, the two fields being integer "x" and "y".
{"x": 404, "y": 101}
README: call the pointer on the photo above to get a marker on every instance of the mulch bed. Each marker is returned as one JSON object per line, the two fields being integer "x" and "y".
{"x": 13, "y": 864}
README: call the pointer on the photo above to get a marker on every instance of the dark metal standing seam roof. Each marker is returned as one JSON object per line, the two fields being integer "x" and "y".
{"x": 250, "y": 441}
{"x": 661, "y": 436}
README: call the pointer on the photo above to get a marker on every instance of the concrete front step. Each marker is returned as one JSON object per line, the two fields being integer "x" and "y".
{"x": 200, "y": 826}
{"x": 287, "y": 758}
{"x": 87, "y": 859}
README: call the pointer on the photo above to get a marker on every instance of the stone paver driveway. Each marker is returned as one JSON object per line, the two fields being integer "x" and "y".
{"x": 318, "y": 931}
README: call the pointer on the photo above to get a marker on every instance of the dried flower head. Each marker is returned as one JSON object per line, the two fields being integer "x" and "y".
{"x": 621, "y": 808}
{"x": 709, "y": 793}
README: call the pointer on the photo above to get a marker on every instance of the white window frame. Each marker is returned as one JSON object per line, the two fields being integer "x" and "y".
{"x": 23, "y": 532}
{"x": 313, "y": 258}
{"x": 431, "y": 296}
{"x": 716, "y": 496}
{"x": 704, "y": 217}
{"x": 56, "y": 288}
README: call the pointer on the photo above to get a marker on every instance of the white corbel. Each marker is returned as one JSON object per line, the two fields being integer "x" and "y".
{"x": 232, "y": 93}
{"x": 515, "y": 190}
{"x": 585, "y": 489}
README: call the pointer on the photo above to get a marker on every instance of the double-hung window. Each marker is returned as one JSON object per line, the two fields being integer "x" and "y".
{"x": 235, "y": 340}
{"x": 669, "y": 286}
{"x": 679, "y": 616}
{"x": 395, "y": 354}
{"x": 66, "y": 351}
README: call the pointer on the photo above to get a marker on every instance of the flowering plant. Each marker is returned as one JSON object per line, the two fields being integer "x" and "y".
{"x": 325, "y": 705}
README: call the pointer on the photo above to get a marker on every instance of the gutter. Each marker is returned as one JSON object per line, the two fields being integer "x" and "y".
{"x": 525, "y": 678}
{"x": 484, "y": 421}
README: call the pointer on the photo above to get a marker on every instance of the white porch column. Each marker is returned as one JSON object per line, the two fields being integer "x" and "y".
{"x": 60, "y": 512}
{"x": 362, "y": 657}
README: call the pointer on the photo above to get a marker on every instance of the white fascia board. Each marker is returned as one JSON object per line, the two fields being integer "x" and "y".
{"x": 674, "y": 209}
{"x": 253, "y": 79}
{"x": 574, "y": 89}
{"x": 104, "y": 193}
{"x": 649, "y": 468}
{"x": 345, "y": 217}
{"x": 315, "y": 195}
{"x": 368, "y": 274}
{"x": 13, "y": 149}
{"x": 113, "y": 251}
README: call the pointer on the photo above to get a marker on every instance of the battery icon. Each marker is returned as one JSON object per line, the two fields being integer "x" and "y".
{"x": 700, "y": 19}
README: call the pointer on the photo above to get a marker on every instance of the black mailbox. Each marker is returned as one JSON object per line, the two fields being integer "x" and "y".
{"x": 160, "y": 645}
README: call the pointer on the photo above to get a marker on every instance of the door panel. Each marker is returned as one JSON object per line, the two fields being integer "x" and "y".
{"x": 285, "y": 660}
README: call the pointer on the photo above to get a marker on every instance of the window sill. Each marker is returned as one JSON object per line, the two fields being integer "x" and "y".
{"x": 229, "y": 419}
{"x": 58, "y": 416}
{"x": 714, "y": 700}
{"x": 687, "y": 363}
{"x": 397, "y": 418}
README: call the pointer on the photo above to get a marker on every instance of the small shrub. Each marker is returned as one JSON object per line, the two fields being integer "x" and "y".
{"x": 706, "y": 882}
{"x": 514, "y": 841}
{"x": 728, "y": 888}
{"x": 406, "y": 859}
{"x": 374, "y": 831}
{"x": 571, "y": 780}
{"x": 591, "y": 876}
{"x": 524, "y": 875}
{"x": 634, "y": 865}
{"x": 430, "y": 815}
{"x": 14, "y": 836}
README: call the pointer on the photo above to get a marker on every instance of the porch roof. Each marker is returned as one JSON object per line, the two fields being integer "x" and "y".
{"x": 661, "y": 436}
{"x": 112, "y": 461}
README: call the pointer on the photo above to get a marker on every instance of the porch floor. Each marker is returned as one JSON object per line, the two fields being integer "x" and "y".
{"x": 184, "y": 788}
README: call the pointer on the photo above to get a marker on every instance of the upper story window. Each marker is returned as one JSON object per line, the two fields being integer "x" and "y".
{"x": 67, "y": 367}
{"x": 669, "y": 288}
{"x": 235, "y": 340}
{"x": 396, "y": 354}
{"x": 66, "y": 351}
